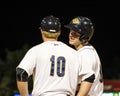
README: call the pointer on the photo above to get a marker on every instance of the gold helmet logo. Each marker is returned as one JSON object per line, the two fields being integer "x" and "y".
{"x": 75, "y": 21}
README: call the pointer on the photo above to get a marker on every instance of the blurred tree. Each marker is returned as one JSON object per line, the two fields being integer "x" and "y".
{"x": 8, "y": 71}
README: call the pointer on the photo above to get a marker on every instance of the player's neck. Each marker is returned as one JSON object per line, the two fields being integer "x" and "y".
{"x": 80, "y": 45}
{"x": 50, "y": 39}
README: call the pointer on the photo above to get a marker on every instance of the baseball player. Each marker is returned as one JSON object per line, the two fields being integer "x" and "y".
{"x": 81, "y": 31}
{"x": 55, "y": 66}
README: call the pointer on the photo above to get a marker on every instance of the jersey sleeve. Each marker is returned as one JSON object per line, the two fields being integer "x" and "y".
{"x": 86, "y": 67}
{"x": 28, "y": 62}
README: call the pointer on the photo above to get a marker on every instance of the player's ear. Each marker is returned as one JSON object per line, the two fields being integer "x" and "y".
{"x": 59, "y": 33}
{"x": 41, "y": 31}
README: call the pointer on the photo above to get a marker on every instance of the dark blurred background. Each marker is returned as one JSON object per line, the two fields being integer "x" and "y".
{"x": 19, "y": 30}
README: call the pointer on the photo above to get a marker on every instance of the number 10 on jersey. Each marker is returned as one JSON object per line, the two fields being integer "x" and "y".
{"x": 57, "y": 66}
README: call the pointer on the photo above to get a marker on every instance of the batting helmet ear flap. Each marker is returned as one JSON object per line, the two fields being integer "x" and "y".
{"x": 83, "y": 38}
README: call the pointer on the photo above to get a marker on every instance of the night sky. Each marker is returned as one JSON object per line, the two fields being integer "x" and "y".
{"x": 21, "y": 19}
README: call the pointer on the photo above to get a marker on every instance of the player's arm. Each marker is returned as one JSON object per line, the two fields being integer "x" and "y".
{"x": 85, "y": 86}
{"x": 22, "y": 83}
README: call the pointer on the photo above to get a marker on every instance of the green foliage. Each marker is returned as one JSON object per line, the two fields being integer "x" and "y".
{"x": 8, "y": 71}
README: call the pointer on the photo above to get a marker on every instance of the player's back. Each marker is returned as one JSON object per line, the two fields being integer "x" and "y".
{"x": 56, "y": 69}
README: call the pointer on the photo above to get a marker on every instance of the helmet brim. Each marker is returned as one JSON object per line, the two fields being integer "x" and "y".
{"x": 70, "y": 27}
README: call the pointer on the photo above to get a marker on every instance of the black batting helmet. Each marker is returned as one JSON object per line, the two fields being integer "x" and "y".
{"x": 82, "y": 25}
{"x": 51, "y": 24}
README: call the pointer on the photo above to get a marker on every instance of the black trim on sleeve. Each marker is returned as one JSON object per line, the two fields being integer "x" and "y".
{"x": 90, "y": 79}
{"x": 21, "y": 75}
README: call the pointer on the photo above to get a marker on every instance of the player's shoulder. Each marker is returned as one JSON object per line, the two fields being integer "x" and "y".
{"x": 87, "y": 48}
{"x": 35, "y": 47}
{"x": 69, "y": 47}
{"x": 87, "y": 51}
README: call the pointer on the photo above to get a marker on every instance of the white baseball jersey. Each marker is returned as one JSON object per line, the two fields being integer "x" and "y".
{"x": 90, "y": 59}
{"x": 55, "y": 69}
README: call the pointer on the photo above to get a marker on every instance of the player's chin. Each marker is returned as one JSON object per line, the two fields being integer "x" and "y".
{"x": 71, "y": 42}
